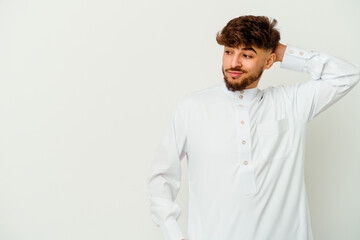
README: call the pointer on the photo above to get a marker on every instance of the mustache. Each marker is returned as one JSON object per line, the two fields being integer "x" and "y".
{"x": 235, "y": 69}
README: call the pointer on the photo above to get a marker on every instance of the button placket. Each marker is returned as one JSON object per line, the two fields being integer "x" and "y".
{"x": 243, "y": 136}
{"x": 246, "y": 170}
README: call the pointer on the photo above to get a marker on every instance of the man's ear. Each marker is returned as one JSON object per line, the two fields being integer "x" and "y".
{"x": 270, "y": 60}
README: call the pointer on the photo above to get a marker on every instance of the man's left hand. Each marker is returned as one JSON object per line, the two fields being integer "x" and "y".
{"x": 279, "y": 51}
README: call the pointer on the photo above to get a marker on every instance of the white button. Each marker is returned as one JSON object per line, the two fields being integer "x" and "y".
{"x": 245, "y": 162}
{"x": 241, "y": 91}
{"x": 291, "y": 51}
{"x": 243, "y": 142}
{"x": 301, "y": 53}
{"x": 242, "y": 122}
{"x": 241, "y": 96}
{"x": 240, "y": 105}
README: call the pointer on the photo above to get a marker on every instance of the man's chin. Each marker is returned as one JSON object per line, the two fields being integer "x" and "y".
{"x": 235, "y": 86}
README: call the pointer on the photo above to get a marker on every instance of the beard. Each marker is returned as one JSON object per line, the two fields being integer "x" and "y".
{"x": 237, "y": 86}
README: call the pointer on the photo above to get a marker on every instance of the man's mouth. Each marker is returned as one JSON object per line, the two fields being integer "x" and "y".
{"x": 235, "y": 74}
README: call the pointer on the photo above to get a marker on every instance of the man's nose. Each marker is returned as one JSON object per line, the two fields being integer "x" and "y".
{"x": 235, "y": 62}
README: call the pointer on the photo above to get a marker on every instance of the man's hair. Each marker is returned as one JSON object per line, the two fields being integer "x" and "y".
{"x": 249, "y": 31}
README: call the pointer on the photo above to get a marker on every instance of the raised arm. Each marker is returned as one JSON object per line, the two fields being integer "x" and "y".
{"x": 332, "y": 77}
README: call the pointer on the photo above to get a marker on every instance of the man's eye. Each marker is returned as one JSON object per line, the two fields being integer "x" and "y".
{"x": 247, "y": 56}
{"x": 227, "y": 52}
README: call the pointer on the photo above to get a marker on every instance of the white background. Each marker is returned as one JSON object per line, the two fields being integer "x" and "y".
{"x": 87, "y": 89}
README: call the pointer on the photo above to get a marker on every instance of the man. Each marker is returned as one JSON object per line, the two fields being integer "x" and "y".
{"x": 245, "y": 147}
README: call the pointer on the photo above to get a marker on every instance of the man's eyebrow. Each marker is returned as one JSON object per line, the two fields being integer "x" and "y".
{"x": 249, "y": 48}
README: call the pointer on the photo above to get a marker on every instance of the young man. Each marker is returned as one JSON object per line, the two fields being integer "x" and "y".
{"x": 245, "y": 147}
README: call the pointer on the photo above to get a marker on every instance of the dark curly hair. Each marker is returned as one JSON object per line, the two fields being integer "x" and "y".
{"x": 249, "y": 31}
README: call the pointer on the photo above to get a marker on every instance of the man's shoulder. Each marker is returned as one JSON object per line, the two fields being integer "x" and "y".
{"x": 195, "y": 100}
{"x": 279, "y": 91}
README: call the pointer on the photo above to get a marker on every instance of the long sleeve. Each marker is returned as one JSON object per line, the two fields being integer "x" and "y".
{"x": 332, "y": 77}
{"x": 165, "y": 177}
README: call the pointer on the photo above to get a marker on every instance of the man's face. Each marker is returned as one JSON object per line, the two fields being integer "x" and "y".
{"x": 243, "y": 66}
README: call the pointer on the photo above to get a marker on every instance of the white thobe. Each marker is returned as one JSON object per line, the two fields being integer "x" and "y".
{"x": 245, "y": 155}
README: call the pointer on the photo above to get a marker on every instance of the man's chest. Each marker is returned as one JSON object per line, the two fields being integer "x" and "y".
{"x": 260, "y": 131}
